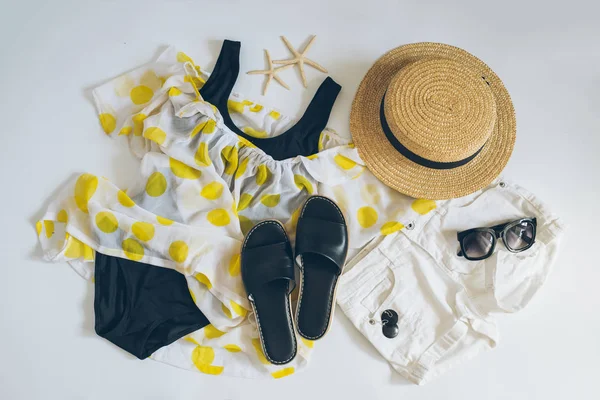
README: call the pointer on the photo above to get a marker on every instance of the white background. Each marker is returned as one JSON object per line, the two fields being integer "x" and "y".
{"x": 546, "y": 52}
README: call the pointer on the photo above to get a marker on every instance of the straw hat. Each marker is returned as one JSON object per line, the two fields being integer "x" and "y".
{"x": 433, "y": 121}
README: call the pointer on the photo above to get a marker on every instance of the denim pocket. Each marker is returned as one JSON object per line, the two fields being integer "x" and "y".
{"x": 412, "y": 286}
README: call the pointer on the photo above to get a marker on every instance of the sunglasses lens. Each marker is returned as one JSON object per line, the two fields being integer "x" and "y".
{"x": 478, "y": 244}
{"x": 520, "y": 236}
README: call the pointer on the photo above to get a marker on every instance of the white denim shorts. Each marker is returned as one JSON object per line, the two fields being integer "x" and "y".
{"x": 445, "y": 303}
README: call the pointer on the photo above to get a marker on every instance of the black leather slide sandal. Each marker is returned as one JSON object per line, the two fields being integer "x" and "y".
{"x": 321, "y": 248}
{"x": 268, "y": 276}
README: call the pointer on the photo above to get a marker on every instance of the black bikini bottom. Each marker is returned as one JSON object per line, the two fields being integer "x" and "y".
{"x": 140, "y": 307}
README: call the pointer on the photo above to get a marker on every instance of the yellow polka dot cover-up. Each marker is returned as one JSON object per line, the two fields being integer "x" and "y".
{"x": 201, "y": 188}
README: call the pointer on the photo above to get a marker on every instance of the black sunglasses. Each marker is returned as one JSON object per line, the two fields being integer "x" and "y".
{"x": 479, "y": 243}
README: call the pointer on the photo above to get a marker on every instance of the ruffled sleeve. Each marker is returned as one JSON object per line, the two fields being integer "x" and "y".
{"x": 125, "y": 102}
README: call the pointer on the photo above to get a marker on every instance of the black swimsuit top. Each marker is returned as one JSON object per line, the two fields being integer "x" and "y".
{"x": 301, "y": 139}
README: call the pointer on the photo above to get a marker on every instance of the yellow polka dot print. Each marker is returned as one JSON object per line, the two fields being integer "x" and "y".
{"x": 156, "y": 184}
{"x": 49, "y": 228}
{"x": 256, "y": 108}
{"x": 226, "y": 311}
{"x": 174, "y": 92}
{"x": 123, "y": 85}
{"x": 245, "y": 200}
{"x": 202, "y": 157}
{"x": 259, "y": 352}
{"x": 163, "y": 221}
{"x": 341, "y": 197}
{"x": 242, "y": 168}
{"x": 282, "y": 373}
{"x": 141, "y": 94}
{"x": 203, "y": 279}
{"x": 245, "y": 142}
{"x": 178, "y": 251}
{"x": 270, "y": 200}
{"x": 210, "y": 369}
{"x": 133, "y": 249}
{"x": 38, "y": 227}
{"x": 182, "y": 57}
{"x": 359, "y": 173}
{"x": 124, "y": 200}
{"x": 237, "y": 106}
{"x": 235, "y": 265}
{"x": 211, "y": 332}
{"x": 391, "y": 227}
{"x": 274, "y": 115}
{"x": 229, "y": 155}
{"x": 245, "y": 224}
{"x": 206, "y": 127}
{"x": 239, "y": 310}
{"x": 193, "y": 299}
{"x": 106, "y": 222}
{"x": 212, "y": 191}
{"x": 191, "y": 339}
{"x": 183, "y": 171}
{"x": 151, "y": 80}
{"x": 232, "y": 348}
{"x": 303, "y": 183}
{"x": 344, "y": 162}
{"x": 62, "y": 216}
{"x": 370, "y": 194}
{"x": 218, "y": 217}
{"x": 126, "y": 130}
{"x": 143, "y": 230}
{"x": 138, "y": 124}
{"x": 320, "y": 144}
{"x": 263, "y": 173}
{"x": 108, "y": 122}
{"x": 294, "y": 219}
{"x": 198, "y": 82}
{"x": 423, "y": 206}
{"x": 204, "y": 354}
{"x": 85, "y": 187}
{"x": 77, "y": 249}
{"x": 202, "y": 357}
{"x": 367, "y": 216}
{"x": 155, "y": 134}
{"x": 308, "y": 343}
{"x": 254, "y": 133}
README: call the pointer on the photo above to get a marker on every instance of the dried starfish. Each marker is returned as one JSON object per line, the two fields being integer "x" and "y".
{"x": 271, "y": 73}
{"x": 300, "y": 58}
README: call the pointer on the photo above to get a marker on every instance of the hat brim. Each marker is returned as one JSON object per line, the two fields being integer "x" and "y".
{"x": 406, "y": 176}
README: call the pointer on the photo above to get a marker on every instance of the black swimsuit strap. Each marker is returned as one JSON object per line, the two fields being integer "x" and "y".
{"x": 221, "y": 81}
{"x": 316, "y": 116}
